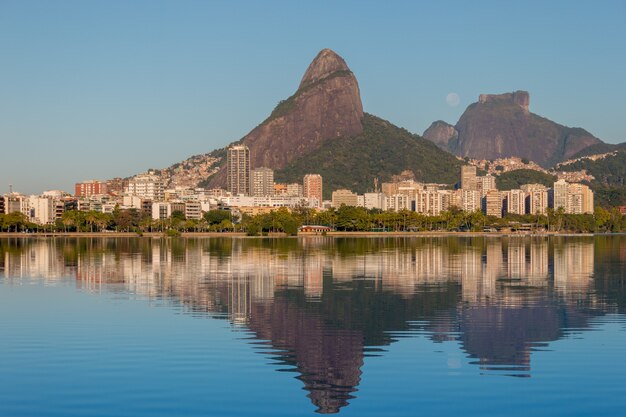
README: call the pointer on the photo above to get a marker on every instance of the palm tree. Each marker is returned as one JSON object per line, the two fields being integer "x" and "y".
{"x": 91, "y": 217}
{"x": 68, "y": 219}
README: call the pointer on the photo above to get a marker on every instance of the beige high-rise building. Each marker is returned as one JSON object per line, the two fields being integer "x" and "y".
{"x": 515, "y": 201}
{"x": 492, "y": 203}
{"x": 429, "y": 202}
{"x": 262, "y": 182}
{"x": 343, "y": 196}
{"x": 294, "y": 190}
{"x": 574, "y": 198}
{"x": 409, "y": 188}
{"x": 470, "y": 200}
{"x": 580, "y": 199}
{"x": 312, "y": 187}
{"x": 398, "y": 202}
{"x": 238, "y": 170}
{"x": 468, "y": 177}
{"x": 536, "y": 198}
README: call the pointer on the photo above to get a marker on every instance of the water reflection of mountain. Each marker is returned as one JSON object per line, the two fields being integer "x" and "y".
{"x": 321, "y": 303}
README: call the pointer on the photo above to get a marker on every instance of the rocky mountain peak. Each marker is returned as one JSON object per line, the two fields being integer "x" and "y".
{"x": 325, "y": 63}
{"x": 520, "y": 98}
{"x": 501, "y": 126}
{"x": 326, "y": 106}
{"x": 441, "y": 134}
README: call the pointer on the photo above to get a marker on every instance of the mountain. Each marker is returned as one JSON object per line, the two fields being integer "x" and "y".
{"x": 322, "y": 129}
{"x": 326, "y": 105}
{"x": 501, "y": 125}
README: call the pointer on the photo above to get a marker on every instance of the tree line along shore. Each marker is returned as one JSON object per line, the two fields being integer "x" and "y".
{"x": 335, "y": 221}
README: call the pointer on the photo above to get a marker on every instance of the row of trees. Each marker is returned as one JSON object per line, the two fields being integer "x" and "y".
{"x": 345, "y": 218}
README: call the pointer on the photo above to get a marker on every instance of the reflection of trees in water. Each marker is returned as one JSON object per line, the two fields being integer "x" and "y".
{"x": 322, "y": 302}
{"x": 610, "y": 272}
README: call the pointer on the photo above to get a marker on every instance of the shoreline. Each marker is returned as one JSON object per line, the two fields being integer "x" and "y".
{"x": 153, "y": 235}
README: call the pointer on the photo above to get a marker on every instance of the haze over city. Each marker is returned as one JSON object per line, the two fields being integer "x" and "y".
{"x": 98, "y": 90}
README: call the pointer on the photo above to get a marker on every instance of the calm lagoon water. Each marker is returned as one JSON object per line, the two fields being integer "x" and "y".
{"x": 472, "y": 326}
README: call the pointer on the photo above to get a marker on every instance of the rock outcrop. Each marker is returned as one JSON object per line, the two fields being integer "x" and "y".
{"x": 501, "y": 126}
{"x": 442, "y": 134}
{"x": 326, "y": 105}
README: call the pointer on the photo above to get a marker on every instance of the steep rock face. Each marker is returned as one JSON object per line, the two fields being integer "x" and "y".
{"x": 326, "y": 105}
{"x": 441, "y": 134}
{"x": 520, "y": 98}
{"x": 501, "y": 125}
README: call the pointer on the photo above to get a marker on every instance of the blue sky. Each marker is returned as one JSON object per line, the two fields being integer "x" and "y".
{"x": 98, "y": 89}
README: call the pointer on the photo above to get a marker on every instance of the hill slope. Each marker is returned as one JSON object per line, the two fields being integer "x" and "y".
{"x": 515, "y": 179}
{"x": 380, "y": 151}
{"x": 610, "y": 177}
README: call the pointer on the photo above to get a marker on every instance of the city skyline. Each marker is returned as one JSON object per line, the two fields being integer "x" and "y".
{"x": 113, "y": 90}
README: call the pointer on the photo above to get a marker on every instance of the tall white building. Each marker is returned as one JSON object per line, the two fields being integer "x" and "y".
{"x": 42, "y": 210}
{"x": 374, "y": 201}
{"x": 161, "y": 210}
{"x": 559, "y": 194}
{"x": 398, "y": 202}
{"x": 16, "y": 202}
{"x": 574, "y": 198}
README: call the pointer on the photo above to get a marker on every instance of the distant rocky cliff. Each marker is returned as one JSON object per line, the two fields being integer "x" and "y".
{"x": 501, "y": 125}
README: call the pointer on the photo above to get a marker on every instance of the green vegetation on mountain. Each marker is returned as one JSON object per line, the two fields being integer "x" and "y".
{"x": 609, "y": 171}
{"x": 609, "y": 185}
{"x": 514, "y": 179}
{"x": 600, "y": 148}
{"x": 608, "y": 195}
{"x": 380, "y": 151}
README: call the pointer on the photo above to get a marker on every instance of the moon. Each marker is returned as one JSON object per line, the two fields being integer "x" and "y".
{"x": 453, "y": 99}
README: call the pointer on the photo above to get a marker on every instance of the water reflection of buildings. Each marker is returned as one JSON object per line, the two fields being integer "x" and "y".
{"x": 320, "y": 301}
{"x": 573, "y": 267}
